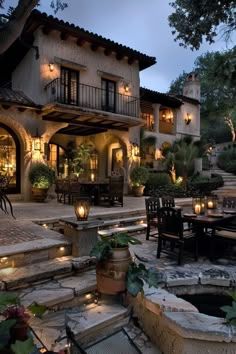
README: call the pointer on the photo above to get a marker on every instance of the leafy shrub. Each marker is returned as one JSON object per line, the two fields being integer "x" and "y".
{"x": 139, "y": 176}
{"x": 226, "y": 158}
{"x": 204, "y": 184}
{"x": 231, "y": 167}
{"x": 173, "y": 190}
{"x": 156, "y": 180}
{"x": 41, "y": 175}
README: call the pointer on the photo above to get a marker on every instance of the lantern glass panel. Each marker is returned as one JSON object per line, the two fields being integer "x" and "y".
{"x": 212, "y": 202}
{"x": 82, "y": 208}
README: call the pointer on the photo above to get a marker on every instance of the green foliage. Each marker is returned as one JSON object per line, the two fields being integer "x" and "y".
{"x": 139, "y": 176}
{"x": 41, "y": 175}
{"x": 195, "y": 21}
{"x": 227, "y": 160}
{"x": 204, "y": 185}
{"x": 182, "y": 155}
{"x": 156, "y": 180}
{"x": 103, "y": 248}
{"x": 138, "y": 275}
{"x": 7, "y": 299}
{"x": 5, "y": 327}
{"x": 25, "y": 347}
{"x": 37, "y": 310}
{"x": 78, "y": 157}
{"x": 217, "y": 73}
{"x": 230, "y": 311}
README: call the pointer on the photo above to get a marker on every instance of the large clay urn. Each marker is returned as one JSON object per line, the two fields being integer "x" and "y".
{"x": 111, "y": 273}
{"x": 39, "y": 194}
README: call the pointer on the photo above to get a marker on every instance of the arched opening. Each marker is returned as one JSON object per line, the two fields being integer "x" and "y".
{"x": 56, "y": 158}
{"x": 10, "y": 158}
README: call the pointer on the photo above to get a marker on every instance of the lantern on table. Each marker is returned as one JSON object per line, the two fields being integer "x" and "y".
{"x": 199, "y": 205}
{"x": 212, "y": 202}
{"x": 82, "y": 208}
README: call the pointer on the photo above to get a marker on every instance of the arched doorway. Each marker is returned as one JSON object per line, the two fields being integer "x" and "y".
{"x": 56, "y": 158}
{"x": 10, "y": 158}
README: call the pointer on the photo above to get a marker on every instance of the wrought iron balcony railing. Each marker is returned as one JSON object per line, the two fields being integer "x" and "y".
{"x": 91, "y": 97}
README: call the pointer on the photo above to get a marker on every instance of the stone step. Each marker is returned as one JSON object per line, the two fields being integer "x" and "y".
{"x": 123, "y": 221}
{"x": 132, "y": 228}
{"x": 12, "y": 278}
{"x": 88, "y": 323}
{"x": 61, "y": 292}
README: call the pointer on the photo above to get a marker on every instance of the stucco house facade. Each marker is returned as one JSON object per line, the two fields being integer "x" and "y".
{"x": 64, "y": 85}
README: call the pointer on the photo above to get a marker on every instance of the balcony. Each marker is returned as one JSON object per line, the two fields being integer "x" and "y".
{"x": 93, "y": 98}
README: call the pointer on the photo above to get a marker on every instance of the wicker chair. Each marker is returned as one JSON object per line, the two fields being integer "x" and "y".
{"x": 170, "y": 228}
{"x": 152, "y": 205}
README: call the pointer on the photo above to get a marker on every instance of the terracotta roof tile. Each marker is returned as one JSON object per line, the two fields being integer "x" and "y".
{"x": 17, "y": 97}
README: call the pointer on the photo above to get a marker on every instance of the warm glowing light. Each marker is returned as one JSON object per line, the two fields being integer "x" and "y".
{"x": 188, "y": 118}
{"x": 126, "y": 88}
{"x": 92, "y": 177}
{"x": 62, "y": 249}
{"x": 45, "y": 226}
{"x": 197, "y": 209}
{"x": 88, "y": 296}
{"x": 158, "y": 154}
{"x": 82, "y": 208}
{"x": 51, "y": 66}
{"x": 4, "y": 259}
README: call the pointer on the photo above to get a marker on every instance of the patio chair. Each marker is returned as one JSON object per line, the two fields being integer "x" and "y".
{"x": 230, "y": 204}
{"x": 152, "y": 205}
{"x": 114, "y": 194}
{"x": 59, "y": 189}
{"x": 168, "y": 201}
{"x": 170, "y": 228}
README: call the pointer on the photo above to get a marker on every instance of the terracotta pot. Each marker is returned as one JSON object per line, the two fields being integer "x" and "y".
{"x": 19, "y": 331}
{"x": 39, "y": 194}
{"x": 111, "y": 273}
{"x": 138, "y": 191}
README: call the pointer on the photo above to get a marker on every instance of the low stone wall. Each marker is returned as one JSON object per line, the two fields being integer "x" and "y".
{"x": 175, "y": 325}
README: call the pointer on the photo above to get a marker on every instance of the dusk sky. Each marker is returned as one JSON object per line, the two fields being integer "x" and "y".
{"x": 142, "y": 25}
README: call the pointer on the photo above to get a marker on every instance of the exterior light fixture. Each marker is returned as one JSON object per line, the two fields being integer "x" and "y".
{"x": 199, "y": 205}
{"x": 135, "y": 150}
{"x": 188, "y": 119}
{"x": 92, "y": 177}
{"x": 51, "y": 67}
{"x": 212, "y": 202}
{"x": 126, "y": 88}
{"x": 37, "y": 142}
{"x": 82, "y": 208}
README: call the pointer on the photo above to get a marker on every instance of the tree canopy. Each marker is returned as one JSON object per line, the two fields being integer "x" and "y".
{"x": 195, "y": 20}
{"x": 12, "y": 25}
{"x": 217, "y": 72}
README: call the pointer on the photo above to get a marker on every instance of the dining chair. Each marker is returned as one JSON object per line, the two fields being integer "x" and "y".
{"x": 152, "y": 205}
{"x": 114, "y": 194}
{"x": 170, "y": 228}
{"x": 168, "y": 201}
{"x": 229, "y": 203}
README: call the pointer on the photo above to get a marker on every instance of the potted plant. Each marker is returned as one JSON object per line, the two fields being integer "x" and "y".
{"x": 138, "y": 176}
{"x": 41, "y": 176}
{"x": 115, "y": 270}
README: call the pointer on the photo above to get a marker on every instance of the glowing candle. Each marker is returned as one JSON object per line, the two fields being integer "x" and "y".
{"x": 210, "y": 204}
{"x": 197, "y": 209}
{"x": 92, "y": 177}
{"x": 81, "y": 212}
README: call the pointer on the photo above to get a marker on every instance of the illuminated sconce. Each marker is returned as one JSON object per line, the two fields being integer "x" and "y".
{"x": 188, "y": 118}
{"x": 37, "y": 142}
{"x": 51, "y": 67}
{"x": 126, "y": 88}
{"x": 135, "y": 150}
{"x": 82, "y": 208}
{"x": 158, "y": 154}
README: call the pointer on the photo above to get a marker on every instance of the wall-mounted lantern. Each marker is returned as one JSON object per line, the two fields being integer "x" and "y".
{"x": 51, "y": 66}
{"x": 126, "y": 87}
{"x": 37, "y": 141}
{"x": 188, "y": 119}
{"x": 135, "y": 150}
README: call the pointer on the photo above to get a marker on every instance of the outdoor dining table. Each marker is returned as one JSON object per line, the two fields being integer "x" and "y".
{"x": 209, "y": 221}
{"x": 94, "y": 188}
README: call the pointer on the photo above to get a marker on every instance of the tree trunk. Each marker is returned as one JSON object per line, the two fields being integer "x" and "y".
{"x": 10, "y": 31}
{"x": 229, "y": 122}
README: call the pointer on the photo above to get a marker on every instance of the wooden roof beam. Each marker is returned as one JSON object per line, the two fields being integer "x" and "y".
{"x": 80, "y": 42}
{"x": 46, "y": 29}
{"x": 107, "y": 52}
{"x": 94, "y": 47}
{"x": 64, "y": 36}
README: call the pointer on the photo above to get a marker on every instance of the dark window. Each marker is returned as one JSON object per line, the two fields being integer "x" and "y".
{"x": 69, "y": 86}
{"x": 108, "y": 95}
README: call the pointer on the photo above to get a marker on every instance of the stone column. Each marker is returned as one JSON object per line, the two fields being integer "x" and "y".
{"x": 156, "y": 113}
{"x": 82, "y": 234}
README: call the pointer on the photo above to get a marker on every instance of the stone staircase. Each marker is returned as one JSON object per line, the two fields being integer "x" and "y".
{"x": 229, "y": 187}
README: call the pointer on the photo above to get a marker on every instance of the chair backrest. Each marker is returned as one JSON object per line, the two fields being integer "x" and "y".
{"x": 116, "y": 185}
{"x": 168, "y": 201}
{"x": 170, "y": 221}
{"x": 229, "y": 202}
{"x": 152, "y": 205}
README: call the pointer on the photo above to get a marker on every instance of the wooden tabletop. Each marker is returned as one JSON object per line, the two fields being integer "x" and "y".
{"x": 212, "y": 219}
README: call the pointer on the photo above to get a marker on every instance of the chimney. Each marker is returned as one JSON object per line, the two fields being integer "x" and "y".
{"x": 192, "y": 86}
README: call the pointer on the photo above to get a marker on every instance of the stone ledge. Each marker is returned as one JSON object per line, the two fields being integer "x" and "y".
{"x": 194, "y": 325}
{"x": 215, "y": 276}
{"x": 160, "y": 300}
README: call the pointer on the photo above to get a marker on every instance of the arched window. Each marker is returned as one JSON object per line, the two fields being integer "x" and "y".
{"x": 10, "y": 158}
